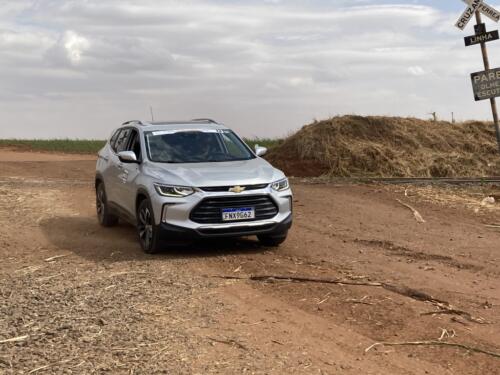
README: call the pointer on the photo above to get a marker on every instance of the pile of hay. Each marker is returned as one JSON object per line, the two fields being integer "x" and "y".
{"x": 355, "y": 146}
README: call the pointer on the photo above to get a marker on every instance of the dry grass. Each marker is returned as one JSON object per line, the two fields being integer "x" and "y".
{"x": 471, "y": 197}
{"x": 353, "y": 146}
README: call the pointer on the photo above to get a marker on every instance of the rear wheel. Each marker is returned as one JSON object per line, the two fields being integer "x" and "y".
{"x": 146, "y": 228}
{"x": 272, "y": 240}
{"x": 105, "y": 217}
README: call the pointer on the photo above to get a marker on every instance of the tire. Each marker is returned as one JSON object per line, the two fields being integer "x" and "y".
{"x": 272, "y": 240}
{"x": 105, "y": 217}
{"x": 146, "y": 229}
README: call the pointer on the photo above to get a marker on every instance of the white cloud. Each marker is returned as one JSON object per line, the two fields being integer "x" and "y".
{"x": 75, "y": 46}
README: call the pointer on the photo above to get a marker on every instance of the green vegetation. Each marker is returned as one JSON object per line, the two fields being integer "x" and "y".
{"x": 264, "y": 142}
{"x": 74, "y": 146}
{"x": 80, "y": 146}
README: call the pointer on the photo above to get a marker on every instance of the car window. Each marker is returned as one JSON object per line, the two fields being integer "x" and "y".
{"x": 122, "y": 140}
{"x": 135, "y": 144}
{"x": 195, "y": 146}
{"x": 113, "y": 139}
{"x": 233, "y": 146}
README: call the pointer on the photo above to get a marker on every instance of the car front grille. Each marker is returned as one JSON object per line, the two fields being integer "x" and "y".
{"x": 209, "y": 210}
{"x": 226, "y": 188}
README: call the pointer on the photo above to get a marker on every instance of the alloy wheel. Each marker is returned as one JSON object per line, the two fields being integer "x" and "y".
{"x": 100, "y": 203}
{"x": 145, "y": 227}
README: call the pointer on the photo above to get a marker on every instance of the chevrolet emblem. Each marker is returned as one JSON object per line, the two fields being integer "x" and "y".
{"x": 237, "y": 189}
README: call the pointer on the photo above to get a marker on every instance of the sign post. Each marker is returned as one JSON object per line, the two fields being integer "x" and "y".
{"x": 486, "y": 84}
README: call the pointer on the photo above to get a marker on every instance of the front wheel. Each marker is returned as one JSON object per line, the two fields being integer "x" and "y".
{"x": 272, "y": 240}
{"x": 146, "y": 228}
{"x": 106, "y": 219}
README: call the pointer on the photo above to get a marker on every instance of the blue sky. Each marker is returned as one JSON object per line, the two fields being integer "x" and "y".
{"x": 78, "y": 68}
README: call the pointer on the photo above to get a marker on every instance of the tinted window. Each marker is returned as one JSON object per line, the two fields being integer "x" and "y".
{"x": 113, "y": 139}
{"x": 135, "y": 144}
{"x": 233, "y": 146}
{"x": 121, "y": 141}
{"x": 196, "y": 146}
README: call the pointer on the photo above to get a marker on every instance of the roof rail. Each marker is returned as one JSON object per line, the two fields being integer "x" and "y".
{"x": 204, "y": 120}
{"x": 139, "y": 122}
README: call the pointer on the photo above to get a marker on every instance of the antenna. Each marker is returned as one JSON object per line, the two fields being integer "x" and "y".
{"x": 151, "y": 110}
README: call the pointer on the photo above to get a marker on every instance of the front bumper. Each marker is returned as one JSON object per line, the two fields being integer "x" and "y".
{"x": 174, "y": 221}
{"x": 169, "y": 232}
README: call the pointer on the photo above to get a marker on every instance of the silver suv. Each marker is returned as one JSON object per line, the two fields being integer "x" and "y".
{"x": 178, "y": 181}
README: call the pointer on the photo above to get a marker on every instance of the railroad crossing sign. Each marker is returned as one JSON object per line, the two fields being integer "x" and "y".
{"x": 487, "y": 10}
{"x": 468, "y": 13}
{"x": 485, "y": 84}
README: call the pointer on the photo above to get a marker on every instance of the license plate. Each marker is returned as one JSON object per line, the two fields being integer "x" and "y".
{"x": 234, "y": 214}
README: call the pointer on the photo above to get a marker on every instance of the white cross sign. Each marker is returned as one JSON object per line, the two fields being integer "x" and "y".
{"x": 468, "y": 13}
{"x": 487, "y": 10}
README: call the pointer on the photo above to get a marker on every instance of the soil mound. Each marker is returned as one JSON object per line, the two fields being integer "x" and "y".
{"x": 375, "y": 146}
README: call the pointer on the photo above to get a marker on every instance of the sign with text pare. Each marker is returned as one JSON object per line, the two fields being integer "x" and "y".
{"x": 486, "y": 84}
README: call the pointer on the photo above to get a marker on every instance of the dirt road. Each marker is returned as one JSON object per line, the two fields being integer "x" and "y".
{"x": 76, "y": 298}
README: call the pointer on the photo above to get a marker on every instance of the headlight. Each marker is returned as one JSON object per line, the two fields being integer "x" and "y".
{"x": 174, "y": 191}
{"x": 280, "y": 185}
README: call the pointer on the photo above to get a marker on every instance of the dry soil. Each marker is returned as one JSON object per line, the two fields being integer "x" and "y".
{"x": 76, "y": 298}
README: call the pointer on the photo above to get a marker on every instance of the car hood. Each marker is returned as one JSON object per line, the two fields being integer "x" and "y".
{"x": 246, "y": 172}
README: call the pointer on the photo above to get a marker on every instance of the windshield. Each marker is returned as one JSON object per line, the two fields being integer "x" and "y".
{"x": 195, "y": 146}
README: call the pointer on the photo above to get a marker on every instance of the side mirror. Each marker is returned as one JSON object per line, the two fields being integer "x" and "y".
{"x": 127, "y": 157}
{"x": 260, "y": 151}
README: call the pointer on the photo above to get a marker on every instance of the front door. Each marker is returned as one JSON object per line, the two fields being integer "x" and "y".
{"x": 116, "y": 172}
{"x": 127, "y": 190}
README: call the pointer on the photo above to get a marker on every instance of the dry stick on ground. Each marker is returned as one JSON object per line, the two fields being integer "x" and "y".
{"x": 56, "y": 257}
{"x": 445, "y": 333}
{"x": 14, "y": 339}
{"x": 49, "y": 365}
{"x": 229, "y": 342}
{"x": 462, "y": 313}
{"x": 434, "y": 343}
{"x": 402, "y": 290}
{"x": 359, "y": 301}
{"x": 298, "y": 279}
{"x": 46, "y": 278}
{"x": 417, "y": 215}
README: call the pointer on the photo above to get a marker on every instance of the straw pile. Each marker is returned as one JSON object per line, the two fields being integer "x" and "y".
{"x": 354, "y": 146}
